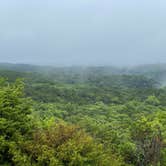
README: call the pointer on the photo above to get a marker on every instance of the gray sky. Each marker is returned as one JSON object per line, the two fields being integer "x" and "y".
{"x": 83, "y": 32}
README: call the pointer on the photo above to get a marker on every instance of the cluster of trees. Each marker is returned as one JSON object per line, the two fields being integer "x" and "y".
{"x": 27, "y": 141}
{"x": 134, "y": 130}
{"x": 117, "y": 120}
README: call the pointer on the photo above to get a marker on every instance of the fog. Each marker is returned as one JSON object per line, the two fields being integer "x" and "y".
{"x": 83, "y": 32}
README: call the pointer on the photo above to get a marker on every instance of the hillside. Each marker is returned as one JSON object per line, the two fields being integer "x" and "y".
{"x": 72, "y": 116}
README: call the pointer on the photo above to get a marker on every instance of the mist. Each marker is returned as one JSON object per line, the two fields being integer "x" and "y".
{"x": 83, "y": 32}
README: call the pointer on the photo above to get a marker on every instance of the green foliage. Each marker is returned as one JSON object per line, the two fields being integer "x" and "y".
{"x": 14, "y": 120}
{"x": 81, "y": 116}
{"x": 152, "y": 100}
{"x": 64, "y": 144}
{"x": 148, "y": 137}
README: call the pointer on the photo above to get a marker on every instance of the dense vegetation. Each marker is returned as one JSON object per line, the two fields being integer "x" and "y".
{"x": 94, "y": 116}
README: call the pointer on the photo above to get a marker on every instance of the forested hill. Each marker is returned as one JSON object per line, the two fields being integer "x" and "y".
{"x": 155, "y": 71}
{"x": 70, "y": 84}
{"x": 82, "y": 116}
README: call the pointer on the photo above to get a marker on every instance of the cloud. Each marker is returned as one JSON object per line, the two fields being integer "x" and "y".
{"x": 79, "y": 32}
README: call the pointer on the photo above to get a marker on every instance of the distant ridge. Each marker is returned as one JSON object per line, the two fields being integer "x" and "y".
{"x": 157, "y": 71}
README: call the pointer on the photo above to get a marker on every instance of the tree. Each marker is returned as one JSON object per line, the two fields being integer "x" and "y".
{"x": 15, "y": 121}
{"x": 67, "y": 145}
{"x": 147, "y": 135}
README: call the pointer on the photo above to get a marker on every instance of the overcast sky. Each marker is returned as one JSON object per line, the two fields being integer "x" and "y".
{"x": 83, "y": 32}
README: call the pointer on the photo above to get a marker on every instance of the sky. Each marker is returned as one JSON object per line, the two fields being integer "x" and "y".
{"x": 83, "y": 32}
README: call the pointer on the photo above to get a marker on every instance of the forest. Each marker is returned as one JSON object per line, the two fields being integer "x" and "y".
{"x": 82, "y": 116}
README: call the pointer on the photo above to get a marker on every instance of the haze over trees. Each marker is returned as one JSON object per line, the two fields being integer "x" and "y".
{"x": 96, "y": 116}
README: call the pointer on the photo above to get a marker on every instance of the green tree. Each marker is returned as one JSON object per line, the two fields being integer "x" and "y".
{"x": 67, "y": 145}
{"x": 15, "y": 121}
{"x": 147, "y": 135}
